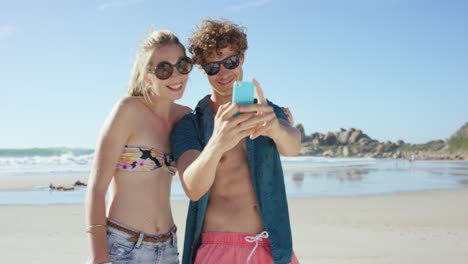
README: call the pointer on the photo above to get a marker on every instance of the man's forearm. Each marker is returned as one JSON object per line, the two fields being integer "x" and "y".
{"x": 199, "y": 176}
{"x": 288, "y": 140}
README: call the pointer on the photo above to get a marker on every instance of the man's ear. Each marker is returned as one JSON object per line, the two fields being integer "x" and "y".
{"x": 241, "y": 59}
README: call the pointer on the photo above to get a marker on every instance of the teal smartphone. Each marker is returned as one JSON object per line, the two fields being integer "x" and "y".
{"x": 243, "y": 93}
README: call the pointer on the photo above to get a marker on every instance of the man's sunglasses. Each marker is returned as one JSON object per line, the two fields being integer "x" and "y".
{"x": 229, "y": 63}
{"x": 164, "y": 69}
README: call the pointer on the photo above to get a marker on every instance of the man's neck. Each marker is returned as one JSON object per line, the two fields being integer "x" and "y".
{"x": 216, "y": 101}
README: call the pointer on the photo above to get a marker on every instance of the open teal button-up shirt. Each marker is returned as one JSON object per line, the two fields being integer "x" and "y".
{"x": 193, "y": 132}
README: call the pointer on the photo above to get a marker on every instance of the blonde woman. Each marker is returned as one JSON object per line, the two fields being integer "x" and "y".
{"x": 133, "y": 160}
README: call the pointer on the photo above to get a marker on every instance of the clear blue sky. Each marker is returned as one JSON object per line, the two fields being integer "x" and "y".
{"x": 397, "y": 69}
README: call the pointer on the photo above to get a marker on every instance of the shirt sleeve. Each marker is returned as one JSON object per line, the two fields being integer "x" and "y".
{"x": 185, "y": 136}
{"x": 278, "y": 111}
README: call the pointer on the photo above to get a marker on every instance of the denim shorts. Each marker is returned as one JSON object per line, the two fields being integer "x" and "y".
{"x": 122, "y": 251}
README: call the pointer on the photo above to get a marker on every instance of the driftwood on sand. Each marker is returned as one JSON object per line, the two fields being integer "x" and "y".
{"x": 67, "y": 188}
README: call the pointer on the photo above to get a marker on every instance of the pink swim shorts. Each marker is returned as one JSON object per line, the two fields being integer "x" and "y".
{"x": 227, "y": 248}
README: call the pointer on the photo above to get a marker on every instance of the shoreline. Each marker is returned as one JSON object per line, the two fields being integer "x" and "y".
{"x": 410, "y": 227}
{"x": 32, "y": 183}
{"x": 28, "y": 183}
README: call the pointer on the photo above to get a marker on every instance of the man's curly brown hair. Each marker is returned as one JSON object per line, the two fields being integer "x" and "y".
{"x": 214, "y": 35}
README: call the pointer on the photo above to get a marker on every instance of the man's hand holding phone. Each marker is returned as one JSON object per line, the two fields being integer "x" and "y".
{"x": 227, "y": 131}
{"x": 264, "y": 120}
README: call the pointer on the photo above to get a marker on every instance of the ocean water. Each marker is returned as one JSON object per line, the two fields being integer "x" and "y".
{"x": 304, "y": 177}
{"x": 40, "y": 165}
{"x": 333, "y": 177}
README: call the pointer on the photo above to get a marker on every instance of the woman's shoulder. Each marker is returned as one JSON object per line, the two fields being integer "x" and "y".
{"x": 129, "y": 103}
{"x": 127, "y": 106}
{"x": 182, "y": 110}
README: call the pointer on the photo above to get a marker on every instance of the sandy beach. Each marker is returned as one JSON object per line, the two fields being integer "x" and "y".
{"x": 412, "y": 227}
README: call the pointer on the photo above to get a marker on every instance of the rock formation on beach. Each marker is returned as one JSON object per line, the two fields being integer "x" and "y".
{"x": 355, "y": 143}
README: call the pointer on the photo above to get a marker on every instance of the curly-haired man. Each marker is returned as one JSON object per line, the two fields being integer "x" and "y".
{"x": 229, "y": 164}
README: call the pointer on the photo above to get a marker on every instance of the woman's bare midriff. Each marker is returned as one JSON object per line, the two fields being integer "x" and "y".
{"x": 141, "y": 200}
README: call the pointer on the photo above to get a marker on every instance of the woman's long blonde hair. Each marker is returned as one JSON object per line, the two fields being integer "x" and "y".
{"x": 156, "y": 39}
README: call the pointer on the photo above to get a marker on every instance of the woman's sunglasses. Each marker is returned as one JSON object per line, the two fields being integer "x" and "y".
{"x": 229, "y": 63}
{"x": 164, "y": 69}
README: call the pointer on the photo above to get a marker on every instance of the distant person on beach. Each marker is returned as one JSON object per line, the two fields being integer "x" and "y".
{"x": 133, "y": 157}
{"x": 230, "y": 166}
{"x": 412, "y": 159}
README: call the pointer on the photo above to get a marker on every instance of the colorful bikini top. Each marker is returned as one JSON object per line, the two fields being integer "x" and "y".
{"x": 136, "y": 158}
